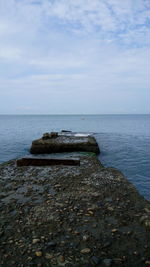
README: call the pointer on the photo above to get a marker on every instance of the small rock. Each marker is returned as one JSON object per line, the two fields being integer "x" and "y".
{"x": 108, "y": 199}
{"x": 129, "y": 232}
{"x": 90, "y": 212}
{"x": 117, "y": 260}
{"x": 29, "y": 258}
{"x": 110, "y": 208}
{"x": 35, "y": 240}
{"x": 48, "y": 256}
{"x": 38, "y": 253}
{"x": 95, "y": 260}
{"x": 85, "y": 250}
{"x": 76, "y": 232}
{"x": 45, "y": 136}
{"x": 85, "y": 237}
{"x": 57, "y": 185}
{"x": 147, "y": 223}
{"x": 147, "y": 262}
{"x": 61, "y": 259}
{"x": 74, "y": 244}
{"x": 51, "y": 245}
{"x": 114, "y": 230}
{"x": 147, "y": 210}
{"x": 143, "y": 218}
{"x": 107, "y": 262}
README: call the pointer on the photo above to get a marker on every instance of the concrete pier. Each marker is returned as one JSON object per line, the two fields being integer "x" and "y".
{"x": 64, "y": 142}
{"x": 63, "y": 215}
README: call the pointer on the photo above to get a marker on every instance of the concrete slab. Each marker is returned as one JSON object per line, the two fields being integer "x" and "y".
{"x": 31, "y": 161}
{"x": 64, "y": 142}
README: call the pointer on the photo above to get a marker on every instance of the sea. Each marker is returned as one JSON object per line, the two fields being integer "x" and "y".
{"x": 124, "y": 140}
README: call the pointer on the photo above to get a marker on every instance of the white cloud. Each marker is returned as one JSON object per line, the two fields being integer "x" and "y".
{"x": 95, "y": 15}
{"x": 9, "y": 53}
{"x": 74, "y": 49}
{"x": 52, "y": 63}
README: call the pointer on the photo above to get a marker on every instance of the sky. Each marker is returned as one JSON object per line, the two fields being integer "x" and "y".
{"x": 74, "y": 56}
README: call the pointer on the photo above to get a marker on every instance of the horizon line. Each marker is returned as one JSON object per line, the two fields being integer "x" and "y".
{"x": 74, "y": 114}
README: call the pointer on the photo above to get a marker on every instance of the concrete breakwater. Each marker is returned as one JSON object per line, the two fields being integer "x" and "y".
{"x": 71, "y": 215}
{"x": 64, "y": 142}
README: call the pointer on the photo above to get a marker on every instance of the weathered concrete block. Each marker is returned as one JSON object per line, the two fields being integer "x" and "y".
{"x": 47, "y": 162}
{"x": 65, "y": 143}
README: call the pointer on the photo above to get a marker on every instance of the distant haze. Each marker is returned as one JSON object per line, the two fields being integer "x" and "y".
{"x": 74, "y": 56}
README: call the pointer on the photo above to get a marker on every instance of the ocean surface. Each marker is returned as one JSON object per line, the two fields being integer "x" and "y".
{"x": 124, "y": 140}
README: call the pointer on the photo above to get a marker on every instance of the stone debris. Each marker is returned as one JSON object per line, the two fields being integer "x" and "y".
{"x": 86, "y": 251}
{"x": 36, "y": 240}
{"x": 49, "y": 135}
{"x": 38, "y": 253}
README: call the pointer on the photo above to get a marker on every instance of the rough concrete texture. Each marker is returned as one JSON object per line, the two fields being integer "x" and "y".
{"x": 41, "y": 161}
{"x": 64, "y": 142}
{"x": 80, "y": 216}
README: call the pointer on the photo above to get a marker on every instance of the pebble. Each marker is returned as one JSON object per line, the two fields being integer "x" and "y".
{"x": 143, "y": 218}
{"x": 108, "y": 199}
{"x": 48, "y": 256}
{"x": 38, "y": 253}
{"x": 110, "y": 208}
{"x": 147, "y": 262}
{"x": 57, "y": 185}
{"x": 85, "y": 237}
{"x": 114, "y": 230}
{"x": 85, "y": 250}
{"x": 147, "y": 210}
{"x": 95, "y": 260}
{"x": 51, "y": 245}
{"x": 61, "y": 258}
{"x": 147, "y": 223}
{"x": 29, "y": 258}
{"x": 95, "y": 194}
{"x": 76, "y": 232}
{"x": 90, "y": 212}
{"x": 107, "y": 262}
{"x": 35, "y": 240}
{"x": 117, "y": 260}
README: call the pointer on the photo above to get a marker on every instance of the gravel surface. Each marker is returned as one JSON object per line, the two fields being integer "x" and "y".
{"x": 84, "y": 215}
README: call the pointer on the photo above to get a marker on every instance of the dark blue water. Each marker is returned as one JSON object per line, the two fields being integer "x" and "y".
{"x": 124, "y": 140}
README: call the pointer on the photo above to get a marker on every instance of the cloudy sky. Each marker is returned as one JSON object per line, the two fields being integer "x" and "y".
{"x": 74, "y": 56}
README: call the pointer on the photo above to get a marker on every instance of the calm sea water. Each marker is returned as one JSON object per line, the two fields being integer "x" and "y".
{"x": 124, "y": 140}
